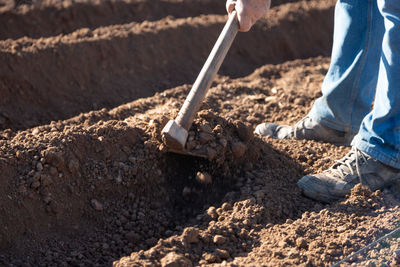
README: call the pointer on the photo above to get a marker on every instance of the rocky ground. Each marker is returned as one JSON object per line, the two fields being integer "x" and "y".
{"x": 86, "y": 181}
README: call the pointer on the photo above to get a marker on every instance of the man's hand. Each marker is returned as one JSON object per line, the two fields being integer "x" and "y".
{"x": 248, "y": 11}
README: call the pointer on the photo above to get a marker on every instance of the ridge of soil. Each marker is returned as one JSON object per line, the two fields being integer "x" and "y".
{"x": 101, "y": 176}
{"x": 58, "y": 77}
{"x": 50, "y": 18}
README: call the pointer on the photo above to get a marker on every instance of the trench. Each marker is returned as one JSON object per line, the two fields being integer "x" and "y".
{"x": 55, "y": 78}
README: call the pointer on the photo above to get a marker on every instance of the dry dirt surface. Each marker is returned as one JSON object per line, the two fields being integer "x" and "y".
{"x": 86, "y": 87}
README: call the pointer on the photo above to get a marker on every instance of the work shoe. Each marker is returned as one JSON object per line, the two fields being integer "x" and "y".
{"x": 355, "y": 167}
{"x": 306, "y": 128}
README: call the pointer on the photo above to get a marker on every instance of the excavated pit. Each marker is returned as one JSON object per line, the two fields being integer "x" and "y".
{"x": 85, "y": 180}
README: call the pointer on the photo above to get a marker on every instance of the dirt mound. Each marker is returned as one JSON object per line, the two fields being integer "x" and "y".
{"x": 59, "y": 77}
{"x": 101, "y": 176}
{"x": 97, "y": 188}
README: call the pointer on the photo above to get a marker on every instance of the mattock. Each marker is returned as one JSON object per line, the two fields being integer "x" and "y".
{"x": 175, "y": 132}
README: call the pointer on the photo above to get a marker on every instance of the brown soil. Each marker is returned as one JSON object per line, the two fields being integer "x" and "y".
{"x": 58, "y": 77}
{"x": 43, "y": 18}
{"x": 97, "y": 188}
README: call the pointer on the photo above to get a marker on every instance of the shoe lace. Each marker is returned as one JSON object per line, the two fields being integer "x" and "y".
{"x": 346, "y": 164}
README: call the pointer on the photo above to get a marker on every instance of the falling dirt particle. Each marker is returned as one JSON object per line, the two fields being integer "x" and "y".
{"x": 35, "y": 185}
{"x": 223, "y": 142}
{"x": 73, "y": 166}
{"x": 96, "y": 205}
{"x": 173, "y": 259}
{"x": 53, "y": 171}
{"x": 203, "y": 178}
{"x": 248, "y": 166}
{"x": 47, "y": 199}
{"x": 211, "y": 153}
{"x": 186, "y": 191}
{"x": 39, "y": 166}
{"x": 219, "y": 239}
{"x": 238, "y": 149}
{"x": 218, "y": 129}
{"x": 259, "y": 194}
{"x": 46, "y": 180}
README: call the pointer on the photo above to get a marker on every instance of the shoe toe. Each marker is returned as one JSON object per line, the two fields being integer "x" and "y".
{"x": 266, "y": 129}
{"x": 314, "y": 188}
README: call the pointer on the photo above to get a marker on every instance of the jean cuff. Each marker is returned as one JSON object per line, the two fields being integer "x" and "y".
{"x": 315, "y": 115}
{"x": 375, "y": 152}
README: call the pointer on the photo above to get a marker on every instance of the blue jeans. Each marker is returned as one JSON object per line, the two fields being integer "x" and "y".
{"x": 361, "y": 91}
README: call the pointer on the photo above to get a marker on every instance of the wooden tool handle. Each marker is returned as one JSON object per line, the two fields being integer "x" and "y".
{"x": 207, "y": 74}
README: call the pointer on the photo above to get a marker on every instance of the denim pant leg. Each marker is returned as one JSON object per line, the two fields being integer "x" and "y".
{"x": 349, "y": 86}
{"x": 379, "y": 134}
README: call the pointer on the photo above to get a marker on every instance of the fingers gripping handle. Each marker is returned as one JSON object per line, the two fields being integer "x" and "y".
{"x": 207, "y": 74}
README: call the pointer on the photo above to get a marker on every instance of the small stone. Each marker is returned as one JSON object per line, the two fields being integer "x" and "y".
{"x": 300, "y": 101}
{"x": 219, "y": 239}
{"x": 190, "y": 235}
{"x": 173, "y": 259}
{"x": 96, "y": 205}
{"x": 238, "y": 149}
{"x": 301, "y": 243}
{"x": 341, "y": 228}
{"x": 211, "y": 258}
{"x": 35, "y": 131}
{"x": 205, "y": 128}
{"x": 212, "y": 212}
{"x": 205, "y": 137}
{"x": 203, "y": 178}
{"x": 226, "y": 206}
{"x": 54, "y": 158}
{"x": 222, "y": 253}
{"x": 218, "y": 129}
